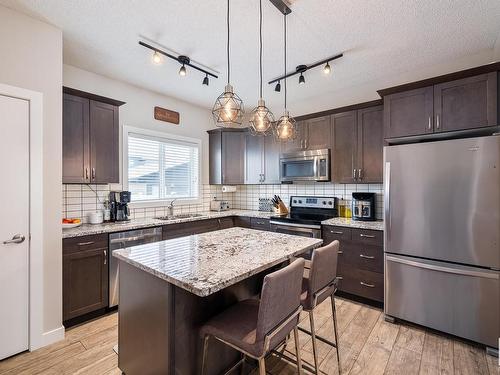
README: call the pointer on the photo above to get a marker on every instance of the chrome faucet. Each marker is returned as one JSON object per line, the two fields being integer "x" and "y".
{"x": 170, "y": 209}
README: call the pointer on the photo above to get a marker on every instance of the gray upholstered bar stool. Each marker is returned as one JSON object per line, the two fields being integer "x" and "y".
{"x": 255, "y": 327}
{"x": 317, "y": 286}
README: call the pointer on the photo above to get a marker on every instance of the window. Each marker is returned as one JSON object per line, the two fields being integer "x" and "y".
{"x": 161, "y": 167}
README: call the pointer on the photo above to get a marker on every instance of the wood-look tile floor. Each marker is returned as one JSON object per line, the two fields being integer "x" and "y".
{"x": 368, "y": 345}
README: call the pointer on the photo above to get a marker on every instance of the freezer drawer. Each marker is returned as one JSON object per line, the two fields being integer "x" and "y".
{"x": 459, "y": 300}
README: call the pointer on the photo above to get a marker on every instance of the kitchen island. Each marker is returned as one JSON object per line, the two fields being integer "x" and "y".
{"x": 168, "y": 289}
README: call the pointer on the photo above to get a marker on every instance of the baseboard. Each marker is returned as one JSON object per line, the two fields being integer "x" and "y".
{"x": 53, "y": 336}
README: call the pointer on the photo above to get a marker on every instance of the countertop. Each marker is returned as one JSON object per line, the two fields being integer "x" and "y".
{"x": 206, "y": 263}
{"x": 344, "y": 222}
{"x": 91, "y": 229}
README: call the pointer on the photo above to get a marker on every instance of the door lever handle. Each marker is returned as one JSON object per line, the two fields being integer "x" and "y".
{"x": 18, "y": 238}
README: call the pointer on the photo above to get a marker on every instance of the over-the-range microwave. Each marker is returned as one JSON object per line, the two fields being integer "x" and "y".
{"x": 311, "y": 165}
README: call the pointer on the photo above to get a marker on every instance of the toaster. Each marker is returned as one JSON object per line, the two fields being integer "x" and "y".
{"x": 219, "y": 205}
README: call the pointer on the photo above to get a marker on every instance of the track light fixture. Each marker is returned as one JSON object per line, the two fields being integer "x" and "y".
{"x": 327, "y": 69}
{"x": 278, "y": 87}
{"x": 183, "y": 60}
{"x": 302, "y": 79}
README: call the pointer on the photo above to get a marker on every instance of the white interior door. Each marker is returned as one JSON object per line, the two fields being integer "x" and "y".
{"x": 14, "y": 225}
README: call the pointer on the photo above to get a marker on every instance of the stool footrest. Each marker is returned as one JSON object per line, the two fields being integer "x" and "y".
{"x": 320, "y": 338}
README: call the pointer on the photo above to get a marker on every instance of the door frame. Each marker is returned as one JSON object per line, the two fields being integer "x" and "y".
{"x": 36, "y": 337}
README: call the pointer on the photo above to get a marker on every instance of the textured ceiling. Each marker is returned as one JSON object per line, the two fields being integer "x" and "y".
{"x": 384, "y": 42}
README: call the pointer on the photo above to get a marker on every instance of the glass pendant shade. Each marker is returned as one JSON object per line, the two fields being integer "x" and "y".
{"x": 285, "y": 129}
{"x": 228, "y": 109}
{"x": 261, "y": 119}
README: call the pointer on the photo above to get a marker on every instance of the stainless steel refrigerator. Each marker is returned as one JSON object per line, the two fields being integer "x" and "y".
{"x": 442, "y": 236}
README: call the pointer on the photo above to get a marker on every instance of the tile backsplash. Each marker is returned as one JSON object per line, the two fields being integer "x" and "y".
{"x": 80, "y": 200}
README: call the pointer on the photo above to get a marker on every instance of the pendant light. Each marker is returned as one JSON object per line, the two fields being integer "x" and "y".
{"x": 261, "y": 118}
{"x": 228, "y": 108}
{"x": 285, "y": 129}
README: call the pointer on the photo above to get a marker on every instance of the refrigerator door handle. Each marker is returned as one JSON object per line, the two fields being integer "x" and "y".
{"x": 387, "y": 198}
{"x": 435, "y": 267}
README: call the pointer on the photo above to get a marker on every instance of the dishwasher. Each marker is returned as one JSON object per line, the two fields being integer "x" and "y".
{"x": 121, "y": 240}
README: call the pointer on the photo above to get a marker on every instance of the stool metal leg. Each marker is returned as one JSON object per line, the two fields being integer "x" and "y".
{"x": 313, "y": 336}
{"x": 334, "y": 312}
{"x": 205, "y": 350}
{"x": 297, "y": 350}
{"x": 262, "y": 366}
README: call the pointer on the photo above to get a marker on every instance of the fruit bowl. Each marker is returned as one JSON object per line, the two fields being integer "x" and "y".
{"x": 71, "y": 223}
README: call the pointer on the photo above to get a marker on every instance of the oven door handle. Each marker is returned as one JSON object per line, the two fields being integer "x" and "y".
{"x": 296, "y": 226}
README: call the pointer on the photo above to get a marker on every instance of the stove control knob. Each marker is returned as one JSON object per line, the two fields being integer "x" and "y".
{"x": 294, "y": 201}
{"x": 330, "y": 203}
{"x": 300, "y": 201}
{"x": 324, "y": 202}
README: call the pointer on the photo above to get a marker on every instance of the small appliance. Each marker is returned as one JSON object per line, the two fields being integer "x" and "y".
{"x": 217, "y": 205}
{"x": 363, "y": 206}
{"x": 96, "y": 217}
{"x": 311, "y": 165}
{"x": 119, "y": 201}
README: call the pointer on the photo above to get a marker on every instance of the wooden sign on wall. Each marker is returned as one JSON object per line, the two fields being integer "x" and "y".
{"x": 167, "y": 115}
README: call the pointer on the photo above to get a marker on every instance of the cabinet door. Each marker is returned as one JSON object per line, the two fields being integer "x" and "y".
{"x": 85, "y": 282}
{"x": 296, "y": 144}
{"x": 466, "y": 103}
{"x": 254, "y": 152}
{"x": 408, "y": 113}
{"x": 319, "y": 133}
{"x": 233, "y": 157}
{"x": 215, "y": 158}
{"x": 104, "y": 157}
{"x": 344, "y": 146}
{"x": 226, "y": 222}
{"x": 271, "y": 161}
{"x": 370, "y": 145}
{"x": 76, "y": 160}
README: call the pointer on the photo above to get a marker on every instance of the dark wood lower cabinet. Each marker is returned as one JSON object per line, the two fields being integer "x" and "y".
{"x": 360, "y": 266}
{"x": 85, "y": 275}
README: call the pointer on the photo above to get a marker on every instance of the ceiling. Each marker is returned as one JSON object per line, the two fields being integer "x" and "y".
{"x": 384, "y": 43}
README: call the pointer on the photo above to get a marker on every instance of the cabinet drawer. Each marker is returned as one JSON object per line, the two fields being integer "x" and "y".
{"x": 76, "y": 244}
{"x": 261, "y": 224}
{"x": 242, "y": 222}
{"x": 366, "y": 257}
{"x": 226, "y": 222}
{"x": 362, "y": 283}
{"x": 368, "y": 237}
{"x": 203, "y": 226}
{"x": 332, "y": 233}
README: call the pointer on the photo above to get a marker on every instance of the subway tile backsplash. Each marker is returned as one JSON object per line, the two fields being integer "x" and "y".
{"x": 80, "y": 200}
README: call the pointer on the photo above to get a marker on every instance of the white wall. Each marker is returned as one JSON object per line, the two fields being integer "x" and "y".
{"x": 139, "y": 107}
{"x": 31, "y": 58}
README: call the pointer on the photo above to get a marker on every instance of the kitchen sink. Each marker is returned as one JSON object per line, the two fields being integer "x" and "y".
{"x": 181, "y": 216}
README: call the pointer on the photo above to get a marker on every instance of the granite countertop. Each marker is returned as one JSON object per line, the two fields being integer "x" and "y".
{"x": 91, "y": 229}
{"x": 206, "y": 263}
{"x": 345, "y": 222}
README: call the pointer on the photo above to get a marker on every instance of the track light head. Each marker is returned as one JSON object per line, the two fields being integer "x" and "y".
{"x": 302, "y": 79}
{"x": 327, "y": 69}
{"x": 183, "y": 60}
{"x": 278, "y": 87}
{"x": 205, "y": 80}
{"x": 157, "y": 59}
{"x": 182, "y": 71}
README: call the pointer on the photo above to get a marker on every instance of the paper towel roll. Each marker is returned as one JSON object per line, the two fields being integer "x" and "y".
{"x": 228, "y": 189}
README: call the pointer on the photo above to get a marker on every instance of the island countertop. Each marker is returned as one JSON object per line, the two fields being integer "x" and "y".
{"x": 207, "y": 263}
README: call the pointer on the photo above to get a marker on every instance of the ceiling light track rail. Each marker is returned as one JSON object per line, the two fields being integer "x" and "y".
{"x": 183, "y": 60}
{"x": 303, "y": 68}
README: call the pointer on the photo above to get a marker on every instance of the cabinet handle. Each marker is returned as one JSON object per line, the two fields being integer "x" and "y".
{"x": 340, "y": 278}
{"x": 263, "y": 177}
{"x": 340, "y": 252}
{"x": 360, "y": 176}
{"x": 366, "y": 256}
{"x": 93, "y": 173}
{"x": 105, "y": 256}
{"x": 336, "y": 232}
{"x": 366, "y": 235}
{"x": 429, "y": 125}
{"x": 367, "y": 285}
{"x": 305, "y": 143}
{"x": 354, "y": 174}
{"x": 85, "y": 243}
{"x": 437, "y": 122}
{"x": 87, "y": 173}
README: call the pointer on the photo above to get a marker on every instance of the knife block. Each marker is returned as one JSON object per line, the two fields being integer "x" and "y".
{"x": 281, "y": 209}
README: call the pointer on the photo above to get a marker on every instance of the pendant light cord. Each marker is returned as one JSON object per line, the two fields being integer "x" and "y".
{"x": 284, "y": 23}
{"x": 228, "y": 67}
{"x": 260, "y": 50}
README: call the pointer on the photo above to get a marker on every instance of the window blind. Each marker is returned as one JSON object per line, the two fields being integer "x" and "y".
{"x": 162, "y": 168}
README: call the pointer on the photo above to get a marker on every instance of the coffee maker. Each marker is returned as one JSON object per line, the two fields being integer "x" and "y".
{"x": 118, "y": 201}
{"x": 363, "y": 206}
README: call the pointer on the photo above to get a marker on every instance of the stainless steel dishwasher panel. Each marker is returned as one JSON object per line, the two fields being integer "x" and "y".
{"x": 121, "y": 240}
{"x": 456, "y": 299}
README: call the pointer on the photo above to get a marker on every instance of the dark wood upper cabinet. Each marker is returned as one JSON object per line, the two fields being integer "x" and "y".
{"x": 271, "y": 160}
{"x": 261, "y": 160}
{"x": 76, "y": 158}
{"x": 370, "y": 153}
{"x": 358, "y": 146}
{"x": 227, "y": 156}
{"x": 345, "y": 142}
{"x": 296, "y": 144}
{"x": 408, "y": 113}
{"x": 466, "y": 103}
{"x": 90, "y": 138}
{"x": 319, "y": 133}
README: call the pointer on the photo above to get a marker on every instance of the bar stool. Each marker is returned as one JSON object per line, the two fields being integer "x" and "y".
{"x": 255, "y": 327}
{"x": 320, "y": 284}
